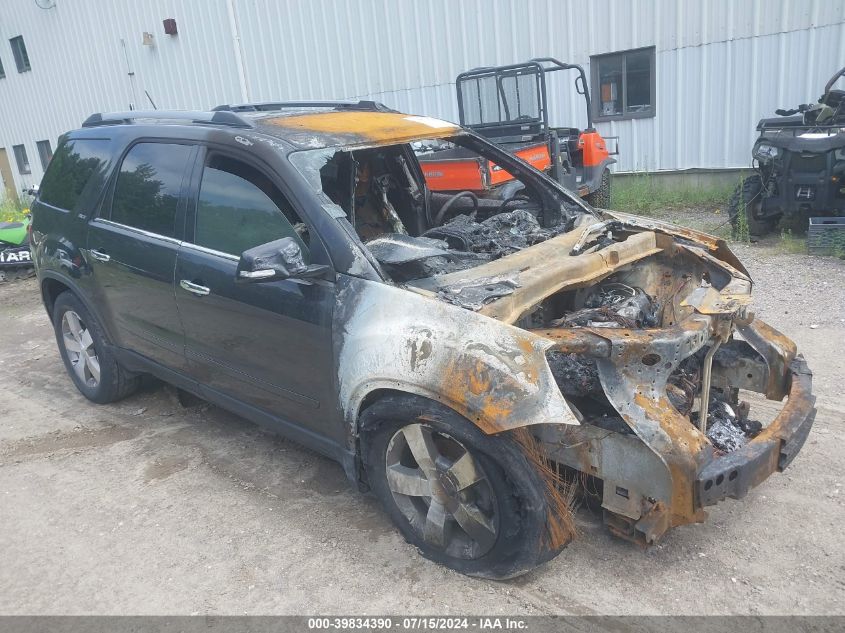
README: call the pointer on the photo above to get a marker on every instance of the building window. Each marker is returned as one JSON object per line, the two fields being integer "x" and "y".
{"x": 21, "y": 159}
{"x": 45, "y": 153}
{"x": 2, "y": 71}
{"x": 20, "y": 54}
{"x": 623, "y": 85}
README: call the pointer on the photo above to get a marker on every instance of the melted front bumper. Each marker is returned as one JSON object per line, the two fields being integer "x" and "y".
{"x": 668, "y": 471}
{"x": 735, "y": 473}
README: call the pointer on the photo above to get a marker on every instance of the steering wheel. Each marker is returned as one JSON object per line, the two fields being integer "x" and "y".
{"x": 461, "y": 194}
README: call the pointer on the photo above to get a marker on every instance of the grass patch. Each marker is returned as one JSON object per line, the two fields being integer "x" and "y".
{"x": 740, "y": 232}
{"x": 11, "y": 210}
{"x": 642, "y": 194}
{"x": 789, "y": 243}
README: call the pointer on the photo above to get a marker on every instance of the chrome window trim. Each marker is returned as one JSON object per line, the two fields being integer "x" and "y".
{"x": 210, "y": 251}
{"x": 135, "y": 229}
{"x": 172, "y": 240}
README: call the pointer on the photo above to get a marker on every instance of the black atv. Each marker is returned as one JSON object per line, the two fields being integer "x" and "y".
{"x": 800, "y": 163}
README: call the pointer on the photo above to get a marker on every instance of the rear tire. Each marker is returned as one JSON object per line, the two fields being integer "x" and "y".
{"x": 600, "y": 198}
{"x": 86, "y": 354}
{"x": 494, "y": 491}
{"x": 747, "y": 201}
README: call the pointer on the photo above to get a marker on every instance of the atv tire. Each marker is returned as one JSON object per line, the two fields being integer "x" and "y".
{"x": 506, "y": 493}
{"x": 87, "y": 355}
{"x": 747, "y": 201}
{"x": 600, "y": 198}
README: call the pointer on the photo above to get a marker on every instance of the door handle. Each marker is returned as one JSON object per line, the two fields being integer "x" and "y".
{"x": 195, "y": 289}
{"x": 98, "y": 255}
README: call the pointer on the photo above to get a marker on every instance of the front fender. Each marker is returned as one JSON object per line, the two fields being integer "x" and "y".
{"x": 493, "y": 374}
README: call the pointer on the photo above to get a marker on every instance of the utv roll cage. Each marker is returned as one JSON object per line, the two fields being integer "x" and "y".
{"x": 513, "y": 123}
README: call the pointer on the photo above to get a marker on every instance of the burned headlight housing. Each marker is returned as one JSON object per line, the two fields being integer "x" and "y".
{"x": 765, "y": 152}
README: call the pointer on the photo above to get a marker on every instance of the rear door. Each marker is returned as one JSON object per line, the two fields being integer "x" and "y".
{"x": 132, "y": 247}
{"x": 267, "y": 344}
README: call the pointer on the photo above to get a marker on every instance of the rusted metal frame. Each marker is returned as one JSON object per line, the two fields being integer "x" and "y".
{"x": 634, "y": 376}
{"x": 739, "y": 366}
{"x": 545, "y": 271}
{"x": 683, "y": 450}
{"x": 776, "y": 349}
{"x": 706, "y": 374}
{"x": 634, "y": 380}
{"x": 634, "y": 477}
{"x": 734, "y": 474}
{"x": 715, "y": 246}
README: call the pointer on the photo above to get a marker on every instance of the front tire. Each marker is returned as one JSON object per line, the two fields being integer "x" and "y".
{"x": 600, "y": 198}
{"x": 466, "y": 500}
{"x": 745, "y": 208}
{"x": 87, "y": 356}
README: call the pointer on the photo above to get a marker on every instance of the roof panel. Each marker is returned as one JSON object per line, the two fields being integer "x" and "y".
{"x": 333, "y": 128}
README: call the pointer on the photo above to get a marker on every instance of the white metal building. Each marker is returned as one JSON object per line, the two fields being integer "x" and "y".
{"x": 686, "y": 92}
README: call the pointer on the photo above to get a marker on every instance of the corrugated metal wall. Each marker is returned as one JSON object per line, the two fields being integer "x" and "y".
{"x": 720, "y": 64}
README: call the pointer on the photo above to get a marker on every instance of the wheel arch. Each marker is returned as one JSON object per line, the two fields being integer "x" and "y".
{"x": 375, "y": 399}
{"x": 374, "y": 393}
{"x": 51, "y": 288}
{"x": 593, "y": 174}
{"x": 53, "y": 284}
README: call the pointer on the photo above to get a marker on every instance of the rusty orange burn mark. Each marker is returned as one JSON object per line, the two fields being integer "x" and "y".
{"x": 377, "y": 127}
{"x": 478, "y": 380}
{"x": 469, "y": 388}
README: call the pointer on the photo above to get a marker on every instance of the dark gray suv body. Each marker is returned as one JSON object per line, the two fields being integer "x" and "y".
{"x": 467, "y": 358}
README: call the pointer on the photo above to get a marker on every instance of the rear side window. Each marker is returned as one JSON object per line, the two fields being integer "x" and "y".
{"x": 146, "y": 195}
{"x": 239, "y": 208}
{"x": 73, "y": 166}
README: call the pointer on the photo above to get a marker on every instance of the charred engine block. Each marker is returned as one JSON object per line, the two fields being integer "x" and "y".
{"x": 613, "y": 305}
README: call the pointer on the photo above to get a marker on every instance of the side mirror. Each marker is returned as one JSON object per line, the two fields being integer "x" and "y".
{"x": 280, "y": 259}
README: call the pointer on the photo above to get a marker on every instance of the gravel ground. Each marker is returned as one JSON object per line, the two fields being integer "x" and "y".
{"x": 147, "y": 507}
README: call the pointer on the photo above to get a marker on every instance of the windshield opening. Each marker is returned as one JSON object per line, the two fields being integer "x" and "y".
{"x": 440, "y": 205}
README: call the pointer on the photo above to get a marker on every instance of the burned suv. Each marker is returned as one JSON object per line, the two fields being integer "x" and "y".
{"x": 474, "y": 362}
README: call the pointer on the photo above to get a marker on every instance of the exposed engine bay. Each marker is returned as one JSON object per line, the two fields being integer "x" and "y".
{"x": 614, "y": 304}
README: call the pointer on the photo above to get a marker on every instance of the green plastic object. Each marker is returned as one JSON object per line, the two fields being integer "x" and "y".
{"x": 14, "y": 232}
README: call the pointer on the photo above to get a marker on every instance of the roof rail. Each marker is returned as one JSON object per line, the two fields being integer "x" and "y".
{"x": 270, "y": 106}
{"x": 209, "y": 118}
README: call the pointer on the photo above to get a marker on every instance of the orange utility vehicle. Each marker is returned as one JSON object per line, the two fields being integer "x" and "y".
{"x": 508, "y": 105}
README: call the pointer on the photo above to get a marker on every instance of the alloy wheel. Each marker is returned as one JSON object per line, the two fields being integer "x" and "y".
{"x": 80, "y": 349}
{"x": 442, "y": 491}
